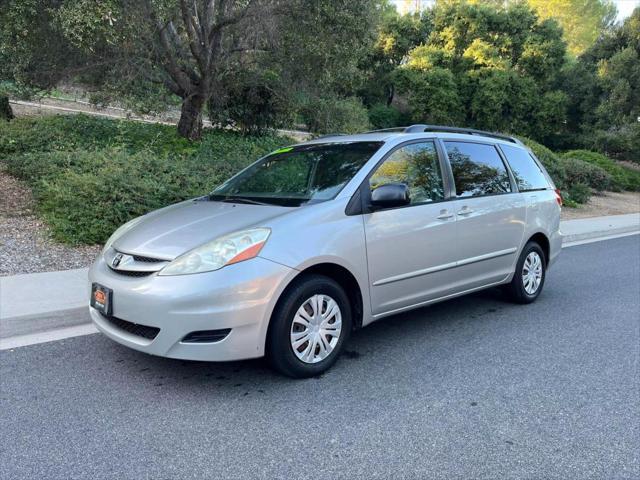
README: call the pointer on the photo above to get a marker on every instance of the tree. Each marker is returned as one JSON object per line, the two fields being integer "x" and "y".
{"x": 184, "y": 46}
{"x": 603, "y": 90}
{"x": 488, "y": 64}
{"x": 581, "y": 20}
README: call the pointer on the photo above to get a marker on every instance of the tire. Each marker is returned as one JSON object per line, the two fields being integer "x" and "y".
{"x": 522, "y": 290}
{"x": 309, "y": 294}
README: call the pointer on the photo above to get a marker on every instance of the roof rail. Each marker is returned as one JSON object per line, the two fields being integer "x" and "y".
{"x": 390, "y": 130}
{"x": 327, "y": 135}
{"x": 419, "y": 128}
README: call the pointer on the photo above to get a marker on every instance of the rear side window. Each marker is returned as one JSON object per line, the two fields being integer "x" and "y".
{"x": 477, "y": 169}
{"x": 526, "y": 171}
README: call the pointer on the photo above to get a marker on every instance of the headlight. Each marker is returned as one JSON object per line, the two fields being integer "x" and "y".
{"x": 223, "y": 251}
{"x": 120, "y": 231}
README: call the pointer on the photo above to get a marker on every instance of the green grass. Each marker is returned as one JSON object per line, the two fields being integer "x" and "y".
{"x": 89, "y": 175}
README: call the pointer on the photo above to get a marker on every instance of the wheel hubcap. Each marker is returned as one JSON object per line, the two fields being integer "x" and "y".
{"x": 532, "y": 273}
{"x": 316, "y": 328}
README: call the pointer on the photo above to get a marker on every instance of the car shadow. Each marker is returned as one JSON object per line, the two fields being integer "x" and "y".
{"x": 391, "y": 337}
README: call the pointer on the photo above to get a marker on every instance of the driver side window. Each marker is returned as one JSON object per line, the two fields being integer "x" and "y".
{"x": 415, "y": 165}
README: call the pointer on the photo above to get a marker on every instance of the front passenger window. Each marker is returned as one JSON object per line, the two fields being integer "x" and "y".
{"x": 415, "y": 165}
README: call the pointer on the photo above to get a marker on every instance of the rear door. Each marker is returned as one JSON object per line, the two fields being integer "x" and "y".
{"x": 411, "y": 250}
{"x": 490, "y": 213}
{"x": 533, "y": 184}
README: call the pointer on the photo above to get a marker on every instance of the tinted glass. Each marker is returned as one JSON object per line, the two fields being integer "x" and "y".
{"x": 297, "y": 175}
{"x": 477, "y": 169}
{"x": 527, "y": 173}
{"x": 415, "y": 165}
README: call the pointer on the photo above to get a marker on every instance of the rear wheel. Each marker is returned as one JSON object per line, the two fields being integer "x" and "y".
{"x": 309, "y": 327}
{"x": 529, "y": 276}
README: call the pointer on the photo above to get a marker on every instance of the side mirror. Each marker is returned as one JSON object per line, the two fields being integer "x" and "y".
{"x": 390, "y": 195}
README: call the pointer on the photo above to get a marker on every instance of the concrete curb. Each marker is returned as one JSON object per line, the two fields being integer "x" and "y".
{"x": 589, "y": 228}
{"x": 35, "y": 304}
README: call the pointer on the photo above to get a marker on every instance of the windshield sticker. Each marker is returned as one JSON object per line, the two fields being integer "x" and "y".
{"x": 282, "y": 150}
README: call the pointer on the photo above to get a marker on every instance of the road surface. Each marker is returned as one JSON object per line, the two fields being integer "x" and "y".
{"x": 471, "y": 388}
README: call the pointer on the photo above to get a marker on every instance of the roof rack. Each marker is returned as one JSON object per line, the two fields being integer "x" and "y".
{"x": 327, "y": 135}
{"x": 419, "y": 128}
{"x": 390, "y": 130}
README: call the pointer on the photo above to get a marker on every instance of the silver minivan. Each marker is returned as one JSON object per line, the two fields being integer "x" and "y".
{"x": 314, "y": 240}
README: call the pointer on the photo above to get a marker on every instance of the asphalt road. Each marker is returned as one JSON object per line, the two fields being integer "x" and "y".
{"x": 471, "y": 388}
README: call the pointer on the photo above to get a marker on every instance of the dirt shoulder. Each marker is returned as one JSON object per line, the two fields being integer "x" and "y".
{"x": 609, "y": 203}
{"x": 25, "y": 242}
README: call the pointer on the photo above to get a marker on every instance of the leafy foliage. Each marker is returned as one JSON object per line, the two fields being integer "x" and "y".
{"x": 382, "y": 116}
{"x": 622, "y": 178}
{"x": 603, "y": 89}
{"x": 335, "y": 115}
{"x": 91, "y": 175}
{"x": 582, "y": 20}
{"x": 578, "y": 171}
{"x": 479, "y": 64}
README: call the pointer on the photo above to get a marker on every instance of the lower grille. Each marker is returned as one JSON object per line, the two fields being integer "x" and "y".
{"x": 131, "y": 273}
{"x": 206, "y": 336}
{"x": 133, "y": 328}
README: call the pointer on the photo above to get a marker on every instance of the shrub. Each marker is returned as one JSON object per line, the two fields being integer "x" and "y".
{"x": 622, "y": 178}
{"x": 621, "y": 143}
{"x": 580, "y": 172}
{"x": 335, "y": 115}
{"x": 5, "y": 108}
{"x": 90, "y": 175}
{"x": 382, "y": 116}
{"x": 255, "y": 102}
{"x": 578, "y": 193}
{"x": 550, "y": 160}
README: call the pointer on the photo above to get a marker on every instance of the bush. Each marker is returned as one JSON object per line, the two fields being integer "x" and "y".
{"x": 90, "y": 175}
{"x": 256, "y": 102}
{"x": 580, "y": 172}
{"x": 577, "y": 193}
{"x": 622, "y": 178}
{"x": 551, "y": 162}
{"x": 382, "y": 116}
{"x": 5, "y": 108}
{"x": 574, "y": 177}
{"x": 622, "y": 143}
{"x": 335, "y": 115}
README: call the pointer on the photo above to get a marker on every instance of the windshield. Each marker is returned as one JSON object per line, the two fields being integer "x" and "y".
{"x": 297, "y": 175}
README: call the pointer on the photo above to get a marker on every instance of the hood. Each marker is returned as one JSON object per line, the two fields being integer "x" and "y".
{"x": 174, "y": 230}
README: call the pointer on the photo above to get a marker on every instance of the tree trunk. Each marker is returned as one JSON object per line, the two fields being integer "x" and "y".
{"x": 190, "y": 124}
{"x": 5, "y": 109}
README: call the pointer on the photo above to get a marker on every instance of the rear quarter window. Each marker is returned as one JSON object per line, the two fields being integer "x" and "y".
{"x": 525, "y": 170}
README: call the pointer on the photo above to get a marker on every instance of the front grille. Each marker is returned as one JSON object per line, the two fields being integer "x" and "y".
{"x": 138, "y": 258}
{"x": 131, "y": 273}
{"x": 133, "y": 328}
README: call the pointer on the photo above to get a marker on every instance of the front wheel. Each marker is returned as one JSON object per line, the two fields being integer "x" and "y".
{"x": 309, "y": 327}
{"x": 529, "y": 276}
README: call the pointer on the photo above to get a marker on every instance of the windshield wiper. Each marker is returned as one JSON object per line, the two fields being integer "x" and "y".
{"x": 242, "y": 200}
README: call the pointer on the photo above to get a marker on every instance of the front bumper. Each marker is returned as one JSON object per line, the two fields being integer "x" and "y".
{"x": 240, "y": 297}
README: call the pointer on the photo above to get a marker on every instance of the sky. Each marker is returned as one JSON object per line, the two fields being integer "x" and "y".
{"x": 625, "y": 7}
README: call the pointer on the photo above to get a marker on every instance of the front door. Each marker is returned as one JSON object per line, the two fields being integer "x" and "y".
{"x": 411, "y": 250}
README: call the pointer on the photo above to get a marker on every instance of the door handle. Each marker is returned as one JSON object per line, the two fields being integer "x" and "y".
{"x": 444, "y": 215}
{"x": 465, "y": 211}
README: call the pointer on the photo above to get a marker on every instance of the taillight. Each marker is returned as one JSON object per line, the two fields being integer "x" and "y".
{"x": 558, "y": 196}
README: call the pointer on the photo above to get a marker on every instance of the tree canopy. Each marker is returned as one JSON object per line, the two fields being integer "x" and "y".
{"x": 558, "y": 71}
